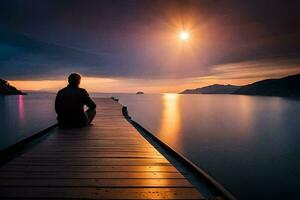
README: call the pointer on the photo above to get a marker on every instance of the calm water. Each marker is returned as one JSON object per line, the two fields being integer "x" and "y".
{"x": 248, "y": 144}
{"x": 24, "y": 115}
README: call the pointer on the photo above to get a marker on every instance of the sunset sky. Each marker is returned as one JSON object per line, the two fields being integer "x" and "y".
{"x": 129, "y": 46}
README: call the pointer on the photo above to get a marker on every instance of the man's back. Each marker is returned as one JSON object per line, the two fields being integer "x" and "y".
{"x": 69, "y": 106}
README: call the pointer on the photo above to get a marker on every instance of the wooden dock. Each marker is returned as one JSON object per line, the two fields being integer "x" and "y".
{"x": 108, "y": 160}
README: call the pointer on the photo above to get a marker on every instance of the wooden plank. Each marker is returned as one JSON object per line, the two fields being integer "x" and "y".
{"x": 96, "y": 149}
{"x": 95, "y": 154}
{"x": 100, "y": 148}
{"x": 28, "y": 168}
{"x": 99, "y": 193}
{"x": 83, "y": 145}
{"x": 95, "y": 182}
{"x": 85, "y": 159}
{"x": 95, "y": 162}
{"x": 102, "y": 175}
{"x": 99, "y": 142}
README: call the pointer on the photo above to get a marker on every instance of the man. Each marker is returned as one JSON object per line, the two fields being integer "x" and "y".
{"x": 70, "y": 102}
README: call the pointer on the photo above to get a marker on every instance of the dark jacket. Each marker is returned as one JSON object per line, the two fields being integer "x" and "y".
{"x": 69, "y": 106}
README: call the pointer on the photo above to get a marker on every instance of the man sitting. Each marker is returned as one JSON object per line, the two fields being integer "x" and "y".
{"x": 70, "y": 102}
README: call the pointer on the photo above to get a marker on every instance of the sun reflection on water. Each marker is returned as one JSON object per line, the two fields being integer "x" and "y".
{"x": 170, "y": 123}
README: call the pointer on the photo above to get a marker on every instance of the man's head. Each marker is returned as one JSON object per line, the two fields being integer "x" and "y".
{"x": 74, "y": 79}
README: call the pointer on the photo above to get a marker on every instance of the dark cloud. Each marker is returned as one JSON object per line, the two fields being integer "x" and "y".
{"x": 44, "y": 39}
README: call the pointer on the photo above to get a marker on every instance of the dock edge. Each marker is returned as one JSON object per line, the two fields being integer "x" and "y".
{"x": 195, "y": 170}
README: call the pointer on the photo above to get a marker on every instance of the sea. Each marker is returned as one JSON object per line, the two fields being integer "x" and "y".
{"x": 249, "y": 144}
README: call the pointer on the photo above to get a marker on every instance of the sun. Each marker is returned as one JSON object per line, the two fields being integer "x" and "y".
{"x": 184, "y": 35}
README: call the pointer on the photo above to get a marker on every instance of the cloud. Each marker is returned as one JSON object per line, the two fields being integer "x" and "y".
{"x": 24, "y": 58}
{"x": 137, "y": 39}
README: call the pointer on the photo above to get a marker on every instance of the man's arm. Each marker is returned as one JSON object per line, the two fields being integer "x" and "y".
{"x": 88, "y": 101}
{"x": 57, "y": 102}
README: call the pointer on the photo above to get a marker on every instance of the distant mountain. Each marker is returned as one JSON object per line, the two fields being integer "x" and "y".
{"x": 7, "y": 89}
{"x": 213, "y": 89}
{"x": 286, "y": 87}
{"x": 140, "y": 92}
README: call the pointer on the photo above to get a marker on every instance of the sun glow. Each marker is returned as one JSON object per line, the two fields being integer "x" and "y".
{"x": 184, "y": 35}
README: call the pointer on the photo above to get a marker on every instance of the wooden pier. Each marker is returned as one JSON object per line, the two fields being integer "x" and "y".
{"x": 108, "y": 160}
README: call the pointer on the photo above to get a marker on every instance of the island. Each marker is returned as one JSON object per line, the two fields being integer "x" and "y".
{"x": 139, "y": 92}
{"x": 7, "y": 89}
{"x": 283, "y": 87}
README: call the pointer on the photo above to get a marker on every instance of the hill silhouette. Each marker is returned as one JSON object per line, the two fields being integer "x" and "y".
{"x": 286, "y": 87}
{"x": 212, "y": 89}
{"x": 7, "y": 89}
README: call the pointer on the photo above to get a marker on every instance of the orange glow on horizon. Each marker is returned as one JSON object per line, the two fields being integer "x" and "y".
{"x": 235, "y": 73}
{"x": 92, "y": 84}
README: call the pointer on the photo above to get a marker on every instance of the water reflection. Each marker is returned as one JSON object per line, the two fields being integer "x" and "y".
{"x": 245, "y": 112}
{"x": 246, "y": 143}
{"x": 170, "y": 123}
{"x": 22, "y": 116}
{"x": 21, "y": 108}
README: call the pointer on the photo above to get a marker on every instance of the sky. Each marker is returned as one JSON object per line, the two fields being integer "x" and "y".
{"x": 134, "y": 45}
